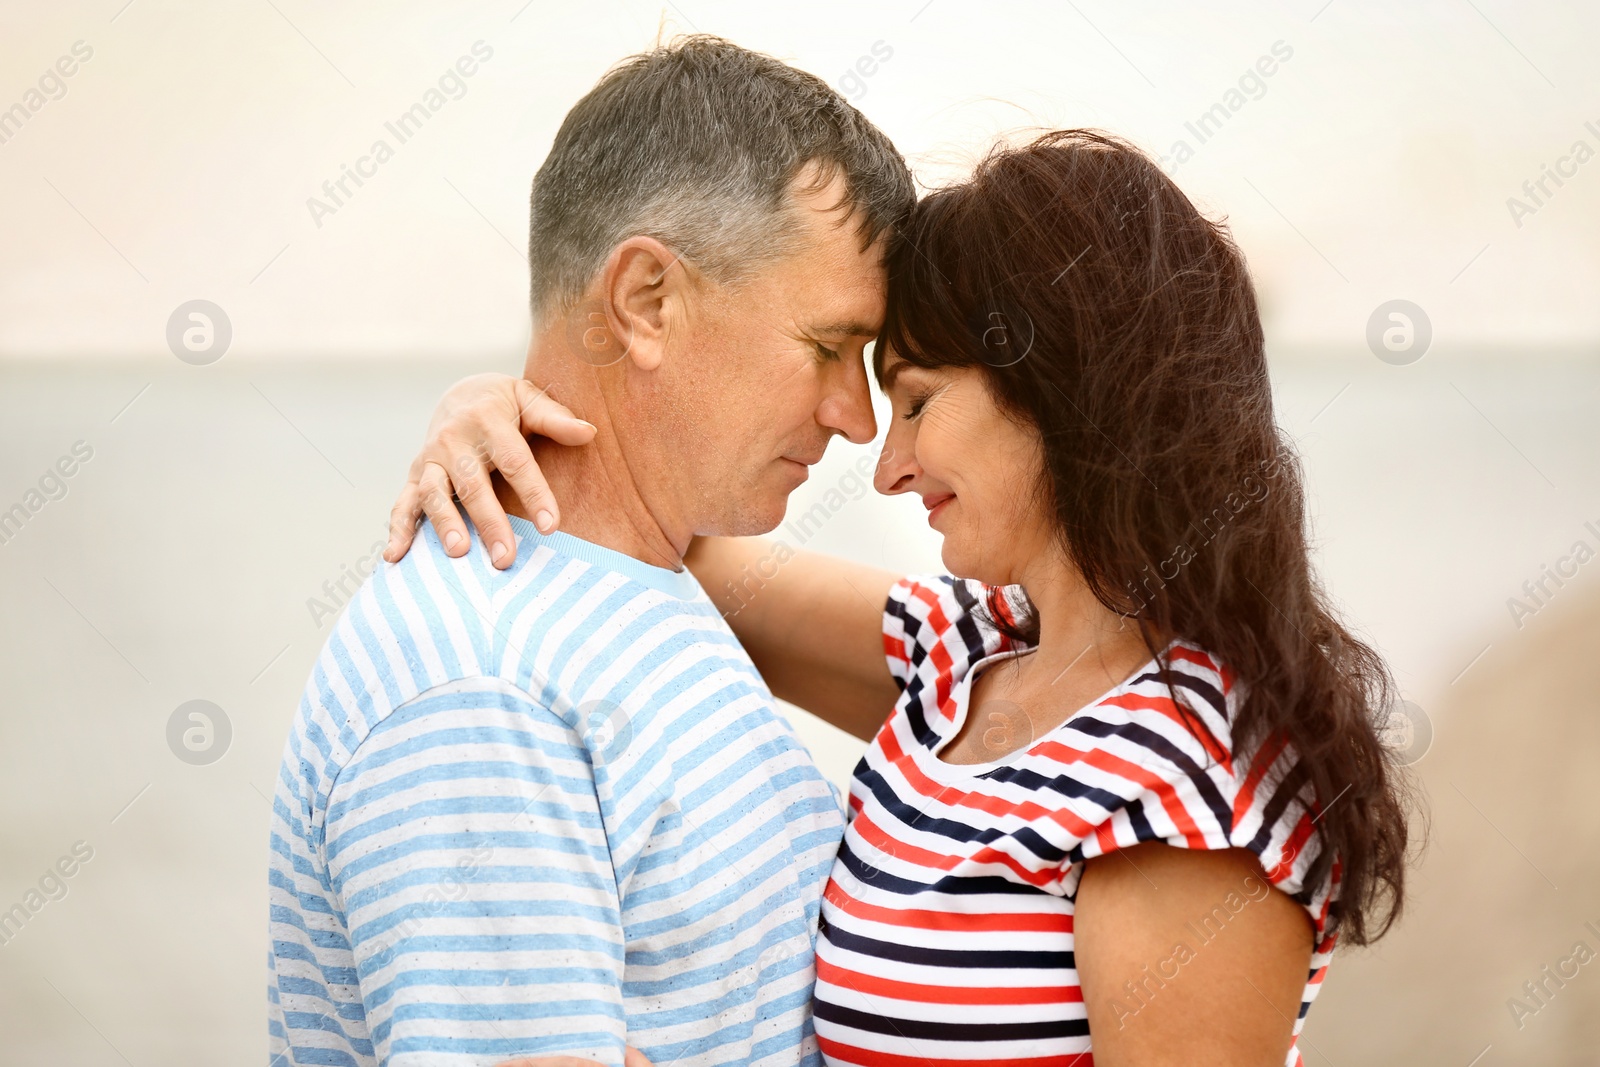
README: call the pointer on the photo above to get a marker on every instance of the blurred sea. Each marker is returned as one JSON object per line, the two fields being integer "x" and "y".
{"x": 178, "y": 561}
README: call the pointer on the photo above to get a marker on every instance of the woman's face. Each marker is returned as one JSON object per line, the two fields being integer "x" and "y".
{"x": 977, "y": 470}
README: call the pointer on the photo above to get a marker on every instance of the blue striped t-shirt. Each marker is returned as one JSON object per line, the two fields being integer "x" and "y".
{"x": 549, "y": 810}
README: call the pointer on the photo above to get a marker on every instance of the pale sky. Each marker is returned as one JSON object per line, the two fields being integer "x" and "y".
{"x": 1376, "y": 162}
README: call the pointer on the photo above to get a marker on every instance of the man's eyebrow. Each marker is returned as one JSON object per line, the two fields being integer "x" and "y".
{"x": 851, "y": 328}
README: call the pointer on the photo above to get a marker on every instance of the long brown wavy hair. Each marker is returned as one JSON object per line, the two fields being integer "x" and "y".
{"x": 1111, "y": 315}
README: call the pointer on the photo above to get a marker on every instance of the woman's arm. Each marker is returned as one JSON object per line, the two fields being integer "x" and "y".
{"x": 813, "y": 625}
{"x": 1188, "y": 957}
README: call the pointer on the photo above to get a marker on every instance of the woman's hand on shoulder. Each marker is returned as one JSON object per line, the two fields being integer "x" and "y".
{"x": 480, "y": 426}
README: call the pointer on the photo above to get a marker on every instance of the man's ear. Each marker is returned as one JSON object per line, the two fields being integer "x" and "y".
{"x": 644, "y": 286}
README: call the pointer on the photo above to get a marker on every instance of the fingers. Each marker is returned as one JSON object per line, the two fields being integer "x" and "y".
{"x": 634, "y": 1058}
{"x": 542, "y": 414}
{"x": 434, "y": 493}
{"x": 480, "y": 425}
{"x": 512, "y": 456}
{"x": 476, "y": 493}
{"x": 403, "y": 523}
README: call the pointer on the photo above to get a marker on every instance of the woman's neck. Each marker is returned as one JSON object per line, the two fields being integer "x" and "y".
{"x": 1084, "y": 651}
{"x": 1084, "y": 647}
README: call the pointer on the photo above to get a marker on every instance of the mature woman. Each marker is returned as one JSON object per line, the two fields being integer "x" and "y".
{"x": 1124, "y": 789}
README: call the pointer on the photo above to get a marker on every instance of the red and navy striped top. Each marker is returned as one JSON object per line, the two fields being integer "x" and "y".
{"x": 946, "y": 931}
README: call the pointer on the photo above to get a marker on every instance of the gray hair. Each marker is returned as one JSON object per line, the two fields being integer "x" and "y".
{"x": 698, "y": 144}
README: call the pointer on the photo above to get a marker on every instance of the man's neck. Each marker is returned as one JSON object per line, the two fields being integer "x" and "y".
{"x": 600, "y": 502}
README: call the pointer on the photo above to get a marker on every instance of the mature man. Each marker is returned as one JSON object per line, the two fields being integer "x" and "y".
{"x": 550, "y": 809}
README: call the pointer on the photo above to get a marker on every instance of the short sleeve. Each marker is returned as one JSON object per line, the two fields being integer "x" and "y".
{"x": 1171, "y": 774}
{"x": 467, "y": 853}
{"x": 941, "y": 624}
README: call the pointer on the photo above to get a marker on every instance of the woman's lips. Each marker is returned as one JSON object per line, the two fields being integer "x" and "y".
{"x": 935, "y": 505}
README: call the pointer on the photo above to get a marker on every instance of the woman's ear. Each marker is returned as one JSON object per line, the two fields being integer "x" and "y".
{"x": 643, "y": 288}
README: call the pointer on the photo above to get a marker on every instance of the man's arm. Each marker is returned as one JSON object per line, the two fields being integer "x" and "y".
{"x": 466, "y": 849}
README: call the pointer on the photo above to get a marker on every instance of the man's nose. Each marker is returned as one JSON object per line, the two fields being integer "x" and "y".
{"x": 847, "y": 407}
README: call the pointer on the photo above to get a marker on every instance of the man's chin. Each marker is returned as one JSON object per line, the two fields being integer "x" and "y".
{"x": 755, "y": 517}
{"x": 756, "y": 525}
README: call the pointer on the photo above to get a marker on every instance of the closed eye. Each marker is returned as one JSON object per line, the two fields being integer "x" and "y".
{"x": 824, "y": 351}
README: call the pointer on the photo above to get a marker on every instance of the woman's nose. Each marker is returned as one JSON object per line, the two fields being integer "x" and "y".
{"x": 896, "y": 468}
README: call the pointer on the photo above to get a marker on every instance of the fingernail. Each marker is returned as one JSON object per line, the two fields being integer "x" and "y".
{"x": 497, "y": 551}
{"x": 452, "y": 539}
{"x": 545, "y": 521}
{"x": 585, "y": 422}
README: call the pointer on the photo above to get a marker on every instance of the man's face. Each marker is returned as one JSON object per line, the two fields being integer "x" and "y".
{"x": 764, "y": 373}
